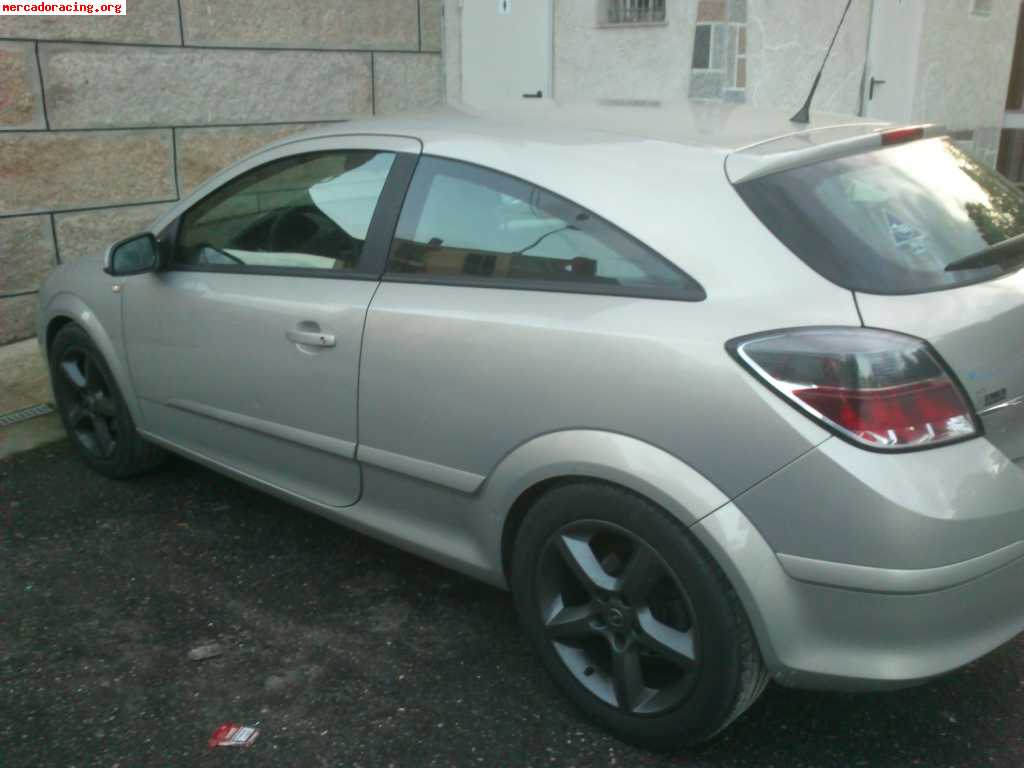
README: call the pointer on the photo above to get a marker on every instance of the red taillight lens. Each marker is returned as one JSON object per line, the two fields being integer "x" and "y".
{"x": 876, "y": 388}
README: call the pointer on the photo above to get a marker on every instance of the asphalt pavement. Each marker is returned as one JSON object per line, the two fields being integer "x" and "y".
{"x": 347, "y": 652}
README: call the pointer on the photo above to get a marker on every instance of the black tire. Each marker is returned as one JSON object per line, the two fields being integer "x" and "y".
{"x": 693, "y": 703}
{"x": 92, "y": 409}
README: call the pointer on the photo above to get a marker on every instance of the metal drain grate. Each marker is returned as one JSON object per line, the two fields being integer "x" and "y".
{"x": 25, "y": 414}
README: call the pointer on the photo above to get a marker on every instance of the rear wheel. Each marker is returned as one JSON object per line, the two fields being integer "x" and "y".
{"x": 92, "y": 409}
{"x": 632, "y": 619}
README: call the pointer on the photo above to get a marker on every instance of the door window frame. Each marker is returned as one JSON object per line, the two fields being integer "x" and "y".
{"x": 382, "y": 224}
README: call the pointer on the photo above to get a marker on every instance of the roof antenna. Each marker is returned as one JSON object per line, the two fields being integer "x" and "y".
{"x": 804, "y": 115}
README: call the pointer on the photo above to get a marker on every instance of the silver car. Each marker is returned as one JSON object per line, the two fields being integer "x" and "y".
{"x": 721, "y": 400}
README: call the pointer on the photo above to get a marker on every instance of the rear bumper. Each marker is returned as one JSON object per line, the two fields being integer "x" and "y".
{"x": 817, "y": 636}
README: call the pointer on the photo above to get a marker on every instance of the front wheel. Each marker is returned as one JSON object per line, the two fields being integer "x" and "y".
{"x": 92, "y": 408}
{"x": 633, "y": 620}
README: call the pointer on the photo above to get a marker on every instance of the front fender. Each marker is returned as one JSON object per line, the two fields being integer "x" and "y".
{"x": 73, "y": 307}
{"x": 611, "y": 457}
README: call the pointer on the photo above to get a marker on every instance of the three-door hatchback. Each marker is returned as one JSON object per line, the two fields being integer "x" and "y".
{"x": 720, "y": 399}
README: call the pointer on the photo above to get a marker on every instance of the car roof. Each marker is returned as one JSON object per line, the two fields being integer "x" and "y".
{"x": 714, "y": 126}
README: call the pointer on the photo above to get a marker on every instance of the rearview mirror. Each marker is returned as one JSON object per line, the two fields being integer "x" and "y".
{"x": 133, "y": 256}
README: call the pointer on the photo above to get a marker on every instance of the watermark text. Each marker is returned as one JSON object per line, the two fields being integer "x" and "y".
{"x": 62, "y": 9}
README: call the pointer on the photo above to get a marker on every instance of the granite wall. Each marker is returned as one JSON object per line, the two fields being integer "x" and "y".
{"x": 105, "y": 121}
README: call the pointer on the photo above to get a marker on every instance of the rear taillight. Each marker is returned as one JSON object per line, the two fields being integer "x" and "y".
{"x": 878, "y": 389}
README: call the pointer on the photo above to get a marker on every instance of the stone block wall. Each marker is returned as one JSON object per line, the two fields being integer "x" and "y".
{"x": 105, "y": 121}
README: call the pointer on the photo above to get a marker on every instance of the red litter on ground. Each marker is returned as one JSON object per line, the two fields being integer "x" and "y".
{"x": 233, "y": 735}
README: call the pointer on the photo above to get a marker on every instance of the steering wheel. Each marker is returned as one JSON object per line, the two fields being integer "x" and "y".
{"x": 292, "y": 228}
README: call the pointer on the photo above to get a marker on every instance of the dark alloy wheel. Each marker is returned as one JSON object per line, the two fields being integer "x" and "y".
{"x": 631, "y": 617}
{"x": 93, "y": 410}
{"x": 83, "y": 393}
{"x": 618, "y": 617}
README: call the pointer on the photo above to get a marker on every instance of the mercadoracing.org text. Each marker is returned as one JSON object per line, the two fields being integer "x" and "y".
{"x": 63, "y": 9}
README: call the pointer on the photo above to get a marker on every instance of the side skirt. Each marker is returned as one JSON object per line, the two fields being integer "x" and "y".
{"x": 410, "y": 531}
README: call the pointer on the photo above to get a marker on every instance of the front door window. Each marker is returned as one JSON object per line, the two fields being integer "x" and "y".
{"x": 309, "y": 211}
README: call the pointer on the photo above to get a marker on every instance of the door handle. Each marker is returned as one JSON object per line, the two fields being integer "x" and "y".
{"x": 311, "y": 338}
{"x": 537, "y": 95}
{"x": 871, "y": 87}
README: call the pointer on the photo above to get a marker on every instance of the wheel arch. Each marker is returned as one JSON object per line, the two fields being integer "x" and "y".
{"x": 556, "y": 458}
{"x": 65, "y": 309}
{"x": 53, "y": 327}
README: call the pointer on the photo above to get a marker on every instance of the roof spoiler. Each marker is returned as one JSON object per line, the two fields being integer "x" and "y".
{"x": 758, "y": 160}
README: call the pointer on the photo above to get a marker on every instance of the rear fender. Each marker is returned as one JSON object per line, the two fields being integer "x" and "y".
{"x": 605, "y": 456}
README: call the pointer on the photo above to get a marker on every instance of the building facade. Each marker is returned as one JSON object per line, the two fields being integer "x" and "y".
{"x": 944, "y": 61}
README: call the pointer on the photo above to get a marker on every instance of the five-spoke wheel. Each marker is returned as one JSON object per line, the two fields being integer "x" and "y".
{"x": 84, "y": 393}
{"x": 632, "y": 617}
{"x": 92, "y": 409}
{"x": 617, "y": 616}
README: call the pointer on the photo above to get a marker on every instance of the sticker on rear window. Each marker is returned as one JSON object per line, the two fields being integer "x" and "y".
{"x": 901, "y": 231}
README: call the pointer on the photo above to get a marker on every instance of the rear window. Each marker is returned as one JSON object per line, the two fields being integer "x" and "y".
{"x": 892, "y": 220}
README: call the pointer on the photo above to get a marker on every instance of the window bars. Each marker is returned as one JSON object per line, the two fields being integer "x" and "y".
{"x": 635, "y": 11}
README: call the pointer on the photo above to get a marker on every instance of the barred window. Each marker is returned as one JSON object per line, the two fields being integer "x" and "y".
{"x": 634, "y": 11}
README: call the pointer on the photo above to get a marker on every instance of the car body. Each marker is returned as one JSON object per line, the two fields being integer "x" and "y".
{"x": 447, "y": 403}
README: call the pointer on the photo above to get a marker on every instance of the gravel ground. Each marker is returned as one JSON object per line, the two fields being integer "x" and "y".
{"x": 347, "y": 652}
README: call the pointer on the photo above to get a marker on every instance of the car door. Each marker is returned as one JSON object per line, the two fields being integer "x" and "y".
{"x": 245, "y": 347}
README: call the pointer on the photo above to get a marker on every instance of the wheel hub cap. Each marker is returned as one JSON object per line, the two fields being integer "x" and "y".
{"x": 616, "y": 618}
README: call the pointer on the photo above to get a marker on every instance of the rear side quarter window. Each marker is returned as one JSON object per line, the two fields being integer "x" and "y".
{"x": 470, "y": 225}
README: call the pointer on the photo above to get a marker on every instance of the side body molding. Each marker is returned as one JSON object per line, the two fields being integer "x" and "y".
{"x": 459, "y": 520}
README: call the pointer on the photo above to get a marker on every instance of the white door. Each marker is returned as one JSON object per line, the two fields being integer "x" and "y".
{"x": 893, "y": 59}
{"x": 506, "y": 50}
